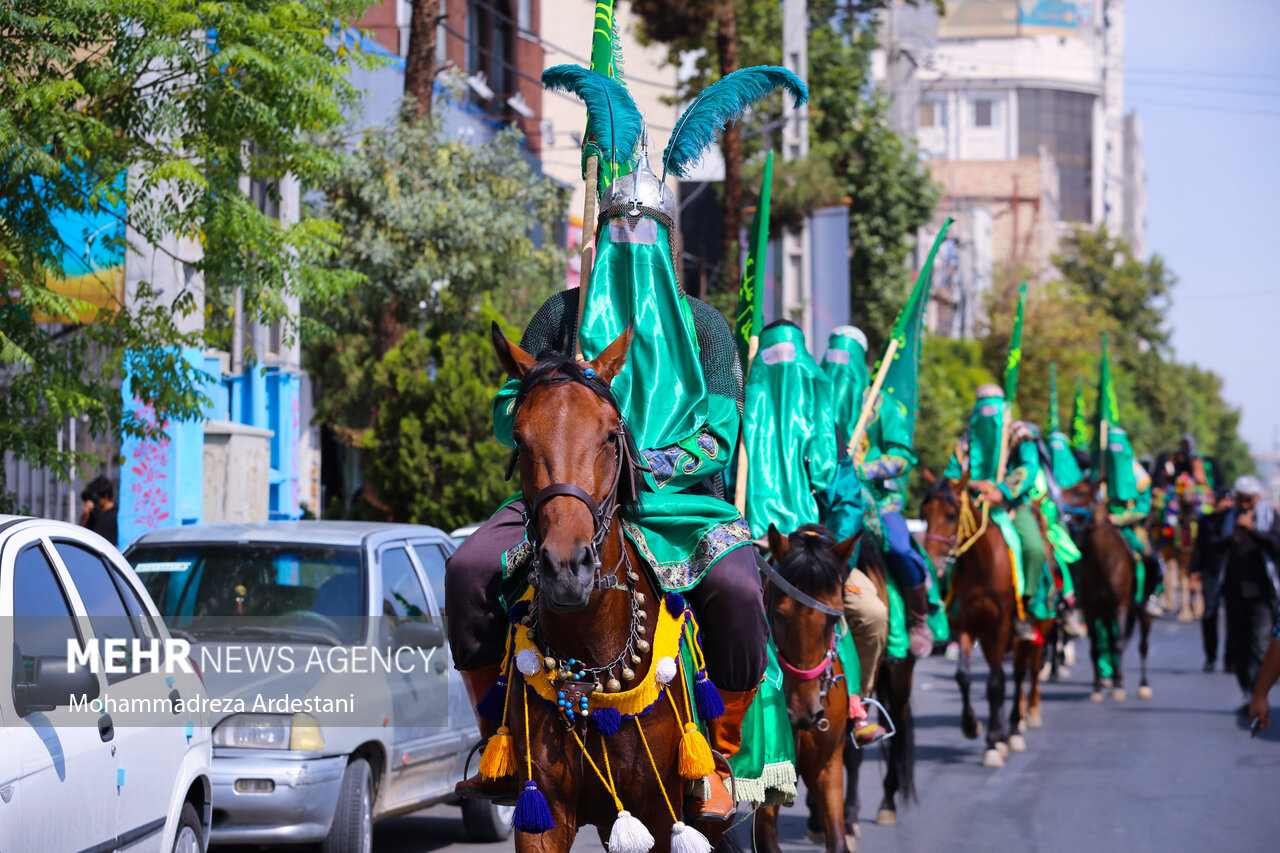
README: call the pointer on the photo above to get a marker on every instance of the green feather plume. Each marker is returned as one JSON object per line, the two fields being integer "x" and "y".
{"x": 720, "y": 103}
{"x": 615, "y": 118}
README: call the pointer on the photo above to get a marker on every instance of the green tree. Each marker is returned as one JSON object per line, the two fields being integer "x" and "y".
{"x": 951, "y": 370}
{"x": 446, "y": 236}
{"x": 152, "y": 115}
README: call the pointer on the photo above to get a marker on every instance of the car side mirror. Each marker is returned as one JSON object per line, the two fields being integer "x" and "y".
{"x": 53, "y": 685}
{"x": 418, "y": 635}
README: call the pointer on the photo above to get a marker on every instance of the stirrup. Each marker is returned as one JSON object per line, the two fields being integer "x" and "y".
{"x": 884, "y": 715}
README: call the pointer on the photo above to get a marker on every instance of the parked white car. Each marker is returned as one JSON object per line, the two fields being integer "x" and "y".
{"x": 92, "y": 759}
{"x": 281, "y": 609}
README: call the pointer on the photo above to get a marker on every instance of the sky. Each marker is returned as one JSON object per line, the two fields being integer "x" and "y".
{"x": 1213, "y": 185}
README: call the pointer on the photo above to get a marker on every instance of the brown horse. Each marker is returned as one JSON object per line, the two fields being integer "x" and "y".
{"x": 1175, "y": 545}
{"x": 893, "y": 690}
{"x": 982, "y": 589}
{"x": 578, "y": 468}
{"x": 1108, "y": 575}
{"x": 803, "y": 610}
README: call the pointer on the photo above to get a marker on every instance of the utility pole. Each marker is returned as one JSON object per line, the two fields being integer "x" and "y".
{"x": 797, "y": 285}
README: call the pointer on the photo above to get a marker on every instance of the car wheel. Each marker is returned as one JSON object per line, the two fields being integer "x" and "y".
{"x": 352, "y": 827}
{"x": 189, "y": 838}
{"x": 486, "y": 822}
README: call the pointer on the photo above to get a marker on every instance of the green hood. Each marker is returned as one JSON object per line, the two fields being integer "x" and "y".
{"x": 1065, "y": 468}
{"x": 788, "y": 433}
{"x": 986, "y": 424}
{"x": 845, "y": 364}
{"x": 1122, "y": 484}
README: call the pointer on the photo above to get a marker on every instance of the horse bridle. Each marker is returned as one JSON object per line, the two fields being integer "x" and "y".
{"x": 824, "y": 668}
{"x": 602, "y": 518}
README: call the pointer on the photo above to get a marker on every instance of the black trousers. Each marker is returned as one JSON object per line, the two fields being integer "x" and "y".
{"x": 728, "y": 603}
{"x": 1249, "y": 624}
{"x": 1209, "y": 621}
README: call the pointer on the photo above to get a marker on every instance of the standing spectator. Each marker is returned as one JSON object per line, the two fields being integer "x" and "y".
{"x": 1245, "y": 544}
{"x": 1208, "y": 569}
{"x": 100, "y": 510}
{"x": 1267, "y": 677}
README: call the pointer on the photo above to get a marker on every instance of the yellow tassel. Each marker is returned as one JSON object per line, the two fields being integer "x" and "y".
{"x": 499, "y": 758}
{"x": 696, "y": 760}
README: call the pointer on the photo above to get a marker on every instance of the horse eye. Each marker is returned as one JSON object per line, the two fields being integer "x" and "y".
{"x": 613, "y": 437}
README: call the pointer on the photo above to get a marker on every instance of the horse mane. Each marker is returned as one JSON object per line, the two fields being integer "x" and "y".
{"x": 941, "y": 488}
{"x": 557, "y": 368}
{"x": 809, "y": 564}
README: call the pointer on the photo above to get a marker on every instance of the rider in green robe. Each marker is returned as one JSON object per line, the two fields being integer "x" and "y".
{"x": 1129, "y": 504}
{"x": 978, "y": 450}
{"x": 883, "y": 460}
{"x": 1046, "y": 495}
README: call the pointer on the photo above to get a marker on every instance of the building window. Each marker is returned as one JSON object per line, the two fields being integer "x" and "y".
{"x": 982, "y": 113}
{"x": 930, "y": 114}
{"x": 1062, "y": 122}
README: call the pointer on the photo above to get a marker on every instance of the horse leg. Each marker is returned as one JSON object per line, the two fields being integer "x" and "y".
{"x": 1144, "y": 689}
{"x": 969, "y": 724}
{"x": 997, "y": 736}
{"x": 1021, "y": 652}
{"x": 1098, "y": 645}
{"x": 560, "y": 837}
{"x": 900, "y": 774}
{"x": 1034, "y": 720}
{"x": 765, "y": 830}
{"x": 1120, "y": 628}
{"x": 852, "y": 769}
{"x": 828, "y": 787}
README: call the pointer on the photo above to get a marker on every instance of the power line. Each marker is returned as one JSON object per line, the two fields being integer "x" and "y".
{"x": 1186, "y": 87}
{"x": 1143, "y": 102}
{"x": 1184, "y": 72}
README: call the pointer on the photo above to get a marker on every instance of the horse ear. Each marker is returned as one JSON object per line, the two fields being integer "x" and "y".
{"x": 929, "y": 477}
{"x": 515, "y": 361}
{"x": 610, "y": 362}
{"x": 844, "y": 551}
{"x": 779, "y": 545}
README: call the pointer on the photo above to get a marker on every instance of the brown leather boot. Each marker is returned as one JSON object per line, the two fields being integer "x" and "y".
{"x": 726, "y": 739}
{"x": 504, "y": 790}
{"x": 919, "y": 634}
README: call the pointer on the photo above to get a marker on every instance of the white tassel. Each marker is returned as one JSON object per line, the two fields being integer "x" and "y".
{"x": 629, "y": 835}
{"x": 686, "y": 839}
{"x": 528, "y": 662}
{"x": 666, "y": 670}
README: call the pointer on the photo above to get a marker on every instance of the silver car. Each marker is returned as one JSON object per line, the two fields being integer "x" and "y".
{"x": 317, "y": 754}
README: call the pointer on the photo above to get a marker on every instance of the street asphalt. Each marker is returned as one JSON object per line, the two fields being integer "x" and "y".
{"x": 1177, "y": 772}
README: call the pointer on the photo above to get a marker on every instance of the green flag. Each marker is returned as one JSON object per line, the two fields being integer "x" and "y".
{"x": 1108, "y": 411}
{"x": 1053, "y": 424}
{"x": 1015, "y": 349}
{"x": 606, "y": 58}
{"x": 902, "y": 382}
{"x": 1079, "y": 422}
{"x": 750, "y": 317}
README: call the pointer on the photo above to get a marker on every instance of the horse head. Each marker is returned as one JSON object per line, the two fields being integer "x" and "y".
{"x": 941, "y": 514}
{"x": 815, "y": 566}
{"x": 577, "y": 464}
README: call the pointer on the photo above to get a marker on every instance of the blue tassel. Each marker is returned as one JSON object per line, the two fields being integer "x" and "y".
{"x": 607, "y": 720}
{"x": 518, "y": 611}
{"x": 495, "y": 699}
{"x": 707, "y": 698}
{"x": 533, "y": 815}
{"x": 675, "y": 604}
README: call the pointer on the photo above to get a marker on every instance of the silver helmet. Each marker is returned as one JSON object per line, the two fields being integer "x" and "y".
{"x": 639, "y": 188}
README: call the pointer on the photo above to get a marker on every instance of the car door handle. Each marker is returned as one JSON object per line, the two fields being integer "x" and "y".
{"x": 439, "y": 666}
{"x": 106, "y": 728}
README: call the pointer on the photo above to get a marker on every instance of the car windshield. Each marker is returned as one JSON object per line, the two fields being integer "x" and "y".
{"x": 264, "y": 591}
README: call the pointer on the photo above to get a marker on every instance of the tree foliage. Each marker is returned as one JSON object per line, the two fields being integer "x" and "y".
{"x": 447, "y": 236}
{"x": 152, "y": 115}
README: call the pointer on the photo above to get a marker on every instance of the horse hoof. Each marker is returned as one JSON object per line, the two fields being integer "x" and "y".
{"x": 992, "y": 758}
{"x": 1069, "y": 654}
{"x": 1035, "y": 721}
{"x": 815, "y": 837}
{"x": 1118, "y": 694}
{"x": 1064, "y": 672}
{"x": 886, "y": 817}
{"x": 1003, "y": 748}
{"x": 851, "y": 844}
{"x": 1144, "y": 692}
{"x": 1022, "y": 726}
{"x": 973, "y": 733}
{"x": 1045, "y": 672}
{"x": 1017, "y": 743}
{"x": 1096, "y": 697}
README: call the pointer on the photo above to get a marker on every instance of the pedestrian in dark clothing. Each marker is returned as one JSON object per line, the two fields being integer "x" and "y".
{"x": 1244, "y": 544}
{"x": 1208, "y": 570}
{"x": 100, "y": 510}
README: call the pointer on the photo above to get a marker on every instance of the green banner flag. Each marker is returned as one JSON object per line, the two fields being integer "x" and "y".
{"x": 1079, "y": 421}
{"x": 1015, "y": 349}
{"x": 902, "y": 381}
{"x": 1053, "y": 423}
{"x": 750, "y": 317}
{"x": 606, "y": 58}
{"x": 1108, "y": 407}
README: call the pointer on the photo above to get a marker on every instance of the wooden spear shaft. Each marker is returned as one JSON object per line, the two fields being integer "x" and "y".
{"x": 869, "y": 404}
{"x": 588, "y": 249}
{"x": 740, "y": 481}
